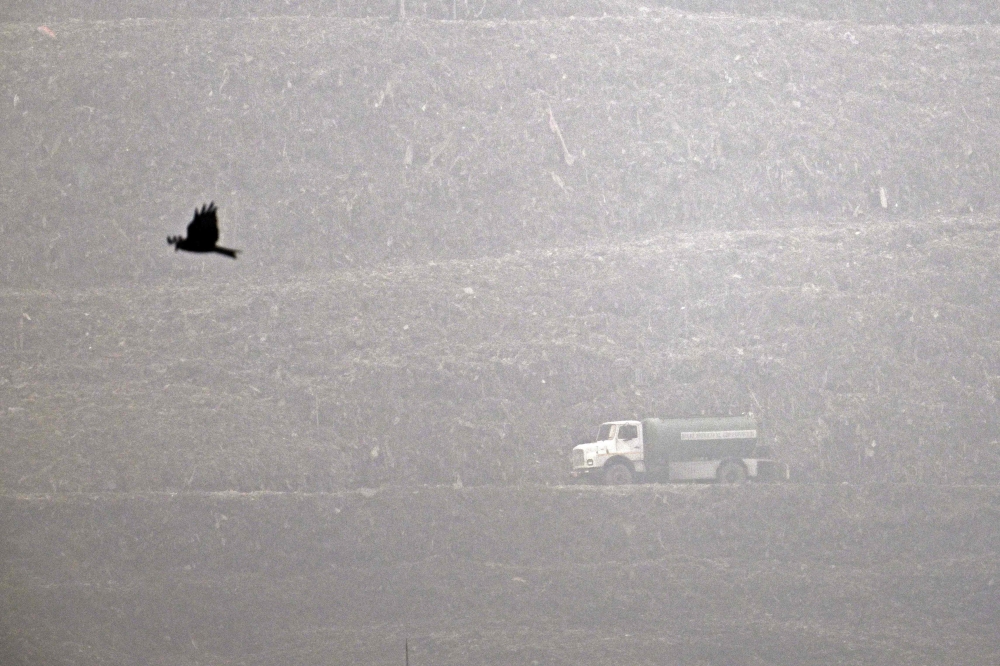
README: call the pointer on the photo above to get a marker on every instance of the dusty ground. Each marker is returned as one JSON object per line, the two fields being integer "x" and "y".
{"x": 334, "y": 144}
{"x": 490, "y": 370}
{"x": 791, "y": 574}
{"x": 783, "y": 215}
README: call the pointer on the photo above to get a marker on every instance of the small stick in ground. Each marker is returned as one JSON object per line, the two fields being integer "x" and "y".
{"x": 554, "y": 126}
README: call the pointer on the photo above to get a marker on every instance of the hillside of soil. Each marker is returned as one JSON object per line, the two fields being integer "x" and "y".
{"x": 859, "y": 11}
{"x": 465, "y": 244}
{"x": 489, "y": 371}
{"x": 787, "y": 575}
{"x": 334, "y": 143}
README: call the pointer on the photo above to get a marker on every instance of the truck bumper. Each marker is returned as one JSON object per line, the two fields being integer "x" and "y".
{"x": 582, "y": 474}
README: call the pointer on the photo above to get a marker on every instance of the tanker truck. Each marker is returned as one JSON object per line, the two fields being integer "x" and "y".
{"x": 723, "y": 449}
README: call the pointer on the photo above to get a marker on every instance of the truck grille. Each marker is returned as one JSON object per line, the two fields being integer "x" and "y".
{"x": 578, "y": 459}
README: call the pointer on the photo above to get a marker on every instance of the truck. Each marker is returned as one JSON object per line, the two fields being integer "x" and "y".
{"x": 723, "y": 449}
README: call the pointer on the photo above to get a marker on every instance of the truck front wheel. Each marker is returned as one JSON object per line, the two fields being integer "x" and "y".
{"x": 731, "y": 473}
{"x": 617, "y": 475}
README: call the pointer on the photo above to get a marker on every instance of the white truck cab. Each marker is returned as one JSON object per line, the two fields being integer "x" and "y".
{"x": 618, "y": 442}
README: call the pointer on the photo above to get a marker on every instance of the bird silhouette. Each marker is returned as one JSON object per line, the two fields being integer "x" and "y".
{"x": 202, "y": 234}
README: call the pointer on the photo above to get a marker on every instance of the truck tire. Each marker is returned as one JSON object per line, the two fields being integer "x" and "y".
{"x": 617, "y": 475}
{"x": 731, "y": 473}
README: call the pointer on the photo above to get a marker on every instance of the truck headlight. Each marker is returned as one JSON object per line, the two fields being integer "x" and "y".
{"x": 590, "y": 462}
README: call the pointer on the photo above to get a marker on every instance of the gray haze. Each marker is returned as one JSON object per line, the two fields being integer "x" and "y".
{"x": 470, "y": 233}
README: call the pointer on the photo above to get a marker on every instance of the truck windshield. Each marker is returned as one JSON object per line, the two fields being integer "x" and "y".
{"x": 606, "y": 432}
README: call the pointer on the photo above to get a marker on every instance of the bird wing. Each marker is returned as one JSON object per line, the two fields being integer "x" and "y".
{"x": 204, "y": 228}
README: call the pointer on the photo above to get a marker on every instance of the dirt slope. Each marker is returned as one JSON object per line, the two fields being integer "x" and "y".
{"x": 780, "y": 575}
{"x": 490, "y": 370}
{"x": 861, "y": 11}
{"x": 466, "y": 244}
{"x": 329, "y": 142}
{"x": 740, "y": 215}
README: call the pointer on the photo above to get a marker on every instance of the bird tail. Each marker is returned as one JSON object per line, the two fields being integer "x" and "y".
{"x": 226, "y": 251}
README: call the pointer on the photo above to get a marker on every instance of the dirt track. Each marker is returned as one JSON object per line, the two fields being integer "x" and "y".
{"x": 791, "y": 574}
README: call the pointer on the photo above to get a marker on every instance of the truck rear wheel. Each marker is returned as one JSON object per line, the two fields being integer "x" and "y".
{"x": 617, "y": 475}
{"x": 731, "y": 473}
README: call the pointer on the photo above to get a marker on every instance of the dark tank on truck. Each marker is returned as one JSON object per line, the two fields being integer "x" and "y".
{"x": 725, "y": 449}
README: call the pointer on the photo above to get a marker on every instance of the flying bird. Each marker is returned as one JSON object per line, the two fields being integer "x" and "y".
{"x": 202, "y": 234}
